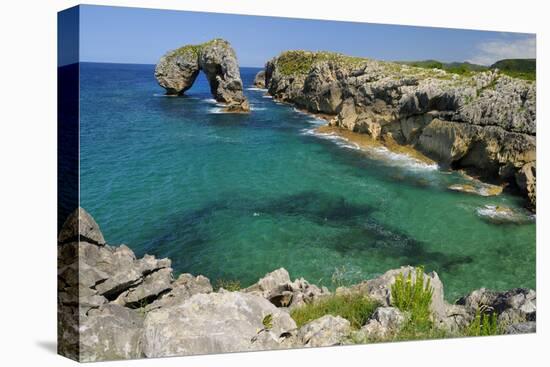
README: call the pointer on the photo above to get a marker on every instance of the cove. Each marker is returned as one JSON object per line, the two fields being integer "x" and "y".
{"x": 233, "y": 196}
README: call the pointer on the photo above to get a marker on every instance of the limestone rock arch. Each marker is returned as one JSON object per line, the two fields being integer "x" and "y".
{"x": 177, "y": 70}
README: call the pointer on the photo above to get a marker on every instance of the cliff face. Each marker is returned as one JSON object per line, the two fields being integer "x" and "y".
{"x": 485, "y": 122}
{"x": 177, "y": 70}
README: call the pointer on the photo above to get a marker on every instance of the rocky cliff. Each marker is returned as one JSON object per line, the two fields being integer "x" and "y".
{"x": 483, "y": 121}
{"x": 112, "y": 305}
{"x": 177, "y": 70}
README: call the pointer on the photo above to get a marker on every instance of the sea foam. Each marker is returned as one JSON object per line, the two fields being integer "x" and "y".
{"x": 380, "y": 153}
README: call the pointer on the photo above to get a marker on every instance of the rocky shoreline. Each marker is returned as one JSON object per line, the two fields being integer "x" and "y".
{"x": 483, "y": 122}
{"x": 112, "y": 305}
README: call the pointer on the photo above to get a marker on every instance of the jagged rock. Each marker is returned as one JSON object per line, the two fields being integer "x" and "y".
{"x": 80, "y": 226}
{"x": 279, "y": 290}
{"x": 215, "y": 323}
{"x": 182, "y": 289}
{"x": 457, "y": 318}
{"x": 484, "y": 121}
{"x": 119, "y": 267}
{"x": 177, "y": 70}
{"x": 110, "y": 332}
{"x": 325, "y": 331}
{"x": 522, "y": 328}
{"x": 383, "y": 322}
{"x": 259, "y": 79}
{"x": 379, "y": 289}
{"x": 151, "y": 287}
{"x": 526, "y": 179}
{"x": 513, "y": 306}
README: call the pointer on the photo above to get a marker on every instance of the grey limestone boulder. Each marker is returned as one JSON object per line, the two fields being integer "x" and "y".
{"x": 215, "y": 323}
{"x": 325, "y": 331}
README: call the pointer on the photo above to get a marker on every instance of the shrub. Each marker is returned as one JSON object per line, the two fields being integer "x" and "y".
{"x": 483, "y": 324}
{"x": 356, "y": 308}
{"x": 414, "y": 298}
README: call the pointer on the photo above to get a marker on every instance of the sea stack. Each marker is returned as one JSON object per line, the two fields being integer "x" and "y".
{"x": 177, "y": 70}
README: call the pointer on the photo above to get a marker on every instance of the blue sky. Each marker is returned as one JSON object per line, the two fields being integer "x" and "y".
{"x": 130, "y": 35}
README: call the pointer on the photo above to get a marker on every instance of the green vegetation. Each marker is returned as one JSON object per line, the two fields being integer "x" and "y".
{"x": 194, "y": 50}
{"x": 227, "y": 284}
{"x": 515, "y": 68}
{"x": 268, "y": 322}
{"x": 484, "y": 324}
{"x": 356, "y": 308}
{"x": 518, "y": 68}
{"x": 459, "y": 68}
{"x": 300, "y": 62}
{"x": 414, "y": 297}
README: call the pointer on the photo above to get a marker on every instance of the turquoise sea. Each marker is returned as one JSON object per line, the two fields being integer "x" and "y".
{"x": 235, "y": 196}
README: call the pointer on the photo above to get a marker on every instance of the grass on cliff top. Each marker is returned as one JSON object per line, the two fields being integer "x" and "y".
{"x": 300, "y": 62}
{"x": 516, "y": 68}
{"x": 195, "y": 50}
{"x": 356, "y": 308}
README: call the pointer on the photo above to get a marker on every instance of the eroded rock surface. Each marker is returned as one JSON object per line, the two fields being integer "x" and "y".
{"x": 325, "y": 331}
{"x": 485, "y": 122}
{"x": 279, "y": 290}
{"x": 112, "y": 305}
{"x": 215, "y": 323}
{"x": 177, "y": 70}
{"x": 259, "y": 79}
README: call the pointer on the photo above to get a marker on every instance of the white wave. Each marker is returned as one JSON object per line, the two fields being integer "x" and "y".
{"x": 379, "y": 153}
{"x": 266, "y": 96}
{"x": 211, "y": 100}
{"x": 257, "y": 89}
{"x": 299, "y": 111}
{"x": 216, "y": 110}
{"x": 499, "y": 214}
{"x": 252, "y": 108}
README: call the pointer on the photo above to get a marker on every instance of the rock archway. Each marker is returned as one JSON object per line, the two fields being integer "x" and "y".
{"x": 177, "y": 70}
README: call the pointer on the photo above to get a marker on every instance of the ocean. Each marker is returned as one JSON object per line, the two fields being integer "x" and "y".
{"x": 233, "y": 196}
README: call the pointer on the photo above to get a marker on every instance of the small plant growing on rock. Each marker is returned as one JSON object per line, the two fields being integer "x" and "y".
{"x": 413, "y": 297}
{"x": 484, "y": 323}
{"x": 228, "y": 285}
{"x": 268, "y": 322}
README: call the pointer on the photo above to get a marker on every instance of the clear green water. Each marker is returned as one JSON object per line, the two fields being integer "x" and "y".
{"x": 236, "y": 196}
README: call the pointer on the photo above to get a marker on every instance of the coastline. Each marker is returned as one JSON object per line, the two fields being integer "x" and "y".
{"x": 365, "y": 142}
{"x": 136, "y": 308}
{"x": 482, "y": 122}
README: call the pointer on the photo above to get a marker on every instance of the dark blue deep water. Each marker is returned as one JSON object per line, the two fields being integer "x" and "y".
{"x": 236, "y": 196}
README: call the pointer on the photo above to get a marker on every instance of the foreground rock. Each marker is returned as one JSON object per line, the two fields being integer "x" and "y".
{"x": 325, "y": 331}
{"x": 177, "y": 70}
{"x": 384, "y": 322}
{"x": 112, "y": 305}
{"x": 215, "y": 323}
{"x": 279, "y": 290}
{"x": 485, "y": 122}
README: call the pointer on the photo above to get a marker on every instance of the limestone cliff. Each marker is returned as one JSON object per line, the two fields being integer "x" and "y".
{"x": 483, "y": 121}
{"x": 177, "y": 70}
